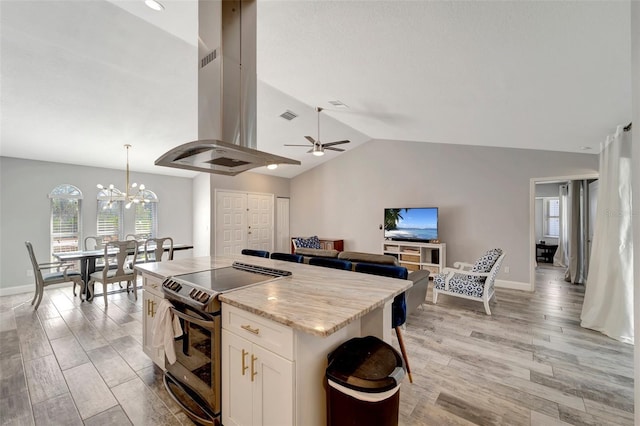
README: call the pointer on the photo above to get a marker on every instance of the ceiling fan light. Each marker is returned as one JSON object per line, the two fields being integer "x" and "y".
{"x": 272, "y": 166}
{"x": 153, "y": 4}
{"x": 318, "y": 152}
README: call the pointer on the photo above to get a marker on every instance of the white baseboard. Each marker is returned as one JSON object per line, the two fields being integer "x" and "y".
{"x": 29, "y": 288}
{"x": 513, "y": 285}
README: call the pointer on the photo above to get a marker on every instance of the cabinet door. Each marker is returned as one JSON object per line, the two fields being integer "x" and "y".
{"x": 236, "y": 380}
{"x": 150, "y": 304}
{"x": 272, "y": 388}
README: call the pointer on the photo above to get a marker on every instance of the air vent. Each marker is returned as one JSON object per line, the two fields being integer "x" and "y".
{"x": 209, "y": 58}
{"x": 338, "y": 104}
{"x": 288, "y": 115}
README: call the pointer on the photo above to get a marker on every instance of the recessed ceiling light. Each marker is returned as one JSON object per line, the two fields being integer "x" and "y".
{"x": 153, "y": 4}
{"x": 585, "y": 148}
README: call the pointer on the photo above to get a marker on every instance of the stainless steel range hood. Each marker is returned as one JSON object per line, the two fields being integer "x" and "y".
{"x": 226, "y": 94}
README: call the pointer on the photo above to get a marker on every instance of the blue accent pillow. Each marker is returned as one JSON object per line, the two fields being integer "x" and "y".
{"x": 311, "y": 242}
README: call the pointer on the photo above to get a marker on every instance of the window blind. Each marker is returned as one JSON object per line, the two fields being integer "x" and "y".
{"x": 146, "y": 219}
{"x": 65, "y": 217}
{"x": 110, "y": 220}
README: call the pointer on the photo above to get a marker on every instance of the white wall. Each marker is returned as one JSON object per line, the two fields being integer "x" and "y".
{"x": 482, "y": 194}
{"x": 25, "y": 209}
{"x": 202, "y": 215}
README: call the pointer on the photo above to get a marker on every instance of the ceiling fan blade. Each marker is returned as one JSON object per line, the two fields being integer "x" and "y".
{"x": 335, "y": 143}
{"x": 306, "y": 146}
{"x": 333, "y": 149}
{"x": 310, "y": 139}
{"x": 310, "y": 151}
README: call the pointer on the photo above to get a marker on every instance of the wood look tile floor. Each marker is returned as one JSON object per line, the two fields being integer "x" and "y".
{"x": 530, "y": 363}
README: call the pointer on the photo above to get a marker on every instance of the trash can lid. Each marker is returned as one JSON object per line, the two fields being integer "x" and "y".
{"x": 366, "y": 364}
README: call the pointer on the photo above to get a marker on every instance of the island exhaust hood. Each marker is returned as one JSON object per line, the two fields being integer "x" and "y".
{"x": 226, "y": 94}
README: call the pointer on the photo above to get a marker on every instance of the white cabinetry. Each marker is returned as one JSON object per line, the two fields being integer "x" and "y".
{"x": 257, "y": 371}
{"x": 415, "y": 256}
{"x": 151, "y": 298}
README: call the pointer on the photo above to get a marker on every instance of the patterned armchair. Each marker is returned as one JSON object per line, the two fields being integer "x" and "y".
{"x": 475, "y": 282}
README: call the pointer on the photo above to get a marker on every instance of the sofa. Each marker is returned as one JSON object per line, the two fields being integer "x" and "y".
{"x": 415, "y": 296}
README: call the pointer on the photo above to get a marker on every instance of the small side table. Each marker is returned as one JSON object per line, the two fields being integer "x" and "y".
{"x": 546, "y": 252}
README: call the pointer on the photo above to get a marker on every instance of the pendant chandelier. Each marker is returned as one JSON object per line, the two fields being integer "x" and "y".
{"x": 134, "y": 193}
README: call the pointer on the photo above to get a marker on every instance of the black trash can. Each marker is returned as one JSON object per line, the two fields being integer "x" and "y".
{"x": 364, "y": 376}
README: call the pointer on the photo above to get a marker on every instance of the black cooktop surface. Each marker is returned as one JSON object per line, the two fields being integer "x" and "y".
{"x": 224, "y": 279}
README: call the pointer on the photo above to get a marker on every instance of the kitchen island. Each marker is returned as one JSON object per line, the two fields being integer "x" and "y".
{"x": 276, "y": 335}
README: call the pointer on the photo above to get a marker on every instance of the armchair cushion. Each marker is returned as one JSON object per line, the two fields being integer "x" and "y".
{"x": 486, "y": 261}
{"x": 58, "y": 275}
{"x": 461, "y": 284}
{"x": 311, "y": 242}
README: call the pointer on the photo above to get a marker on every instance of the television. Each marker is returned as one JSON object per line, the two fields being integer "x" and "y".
{"x": 415, "y": 224}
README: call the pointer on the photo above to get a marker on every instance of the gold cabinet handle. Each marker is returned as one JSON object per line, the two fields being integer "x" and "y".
{"x": 149, "y": 308}
{"x": 247, "y": 327}
{"x": 153, "y": 308}
{"x": 244, "y": 366}
{"x": 253, "y": 361}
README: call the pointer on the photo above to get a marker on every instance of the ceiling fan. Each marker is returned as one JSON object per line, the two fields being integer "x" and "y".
{"x": 319, "y": 147}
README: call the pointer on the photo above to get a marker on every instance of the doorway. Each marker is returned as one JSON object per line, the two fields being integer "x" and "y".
{"x": 536, "y": 207}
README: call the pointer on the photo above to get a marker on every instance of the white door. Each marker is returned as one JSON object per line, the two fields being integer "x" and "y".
{"x": 283, "y": 238}
{"x": 260, "y": 222}
{"x": 231, "y": 222}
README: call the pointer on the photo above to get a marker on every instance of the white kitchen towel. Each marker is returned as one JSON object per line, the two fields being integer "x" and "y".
{"x": 166, "y": 327}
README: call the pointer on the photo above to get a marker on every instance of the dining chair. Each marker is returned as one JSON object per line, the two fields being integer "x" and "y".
{"x": 328, "y": 262}
{"x": 97, "y": 243}
{"x": 154, "y": 249}
{"x": 399, "y": 304}
{"x": 257, "y": 253}
{"x": 287, "y": 257}
{"x": 62, "y": 274}
{"x": 122, "y": 271}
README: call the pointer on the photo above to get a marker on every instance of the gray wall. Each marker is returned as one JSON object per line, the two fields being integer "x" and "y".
{"x": 482, "y": 194}
{"x": 25, "y": 210}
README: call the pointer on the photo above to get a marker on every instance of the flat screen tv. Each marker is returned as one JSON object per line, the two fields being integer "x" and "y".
{"x": 419, "y": 224}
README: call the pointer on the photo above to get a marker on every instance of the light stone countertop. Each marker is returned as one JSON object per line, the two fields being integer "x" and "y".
{"x": 315, "y": 300}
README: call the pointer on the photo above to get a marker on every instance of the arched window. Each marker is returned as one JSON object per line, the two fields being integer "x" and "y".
{"x": 66, "y": 205}
{"x": 109, "y": 214}
{"x": 146, "y": 216}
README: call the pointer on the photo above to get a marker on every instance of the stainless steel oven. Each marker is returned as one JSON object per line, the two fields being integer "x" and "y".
{"x": 196, "y": 370}
{"x": 194, "y": 380}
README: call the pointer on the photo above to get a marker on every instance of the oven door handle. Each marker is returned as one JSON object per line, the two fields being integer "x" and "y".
{"x": 209, "y": 325}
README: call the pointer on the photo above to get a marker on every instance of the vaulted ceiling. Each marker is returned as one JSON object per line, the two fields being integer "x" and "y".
{"x": 79, "y": 79}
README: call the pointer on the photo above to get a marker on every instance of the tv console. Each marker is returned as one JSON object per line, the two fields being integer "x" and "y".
{"x": 415, "y": 256}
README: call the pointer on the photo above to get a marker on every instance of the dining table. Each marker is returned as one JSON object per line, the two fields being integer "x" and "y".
{"x": 88, "y": 259}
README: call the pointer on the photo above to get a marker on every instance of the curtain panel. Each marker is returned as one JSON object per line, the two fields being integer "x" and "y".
{"x": 608, "y": 300}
